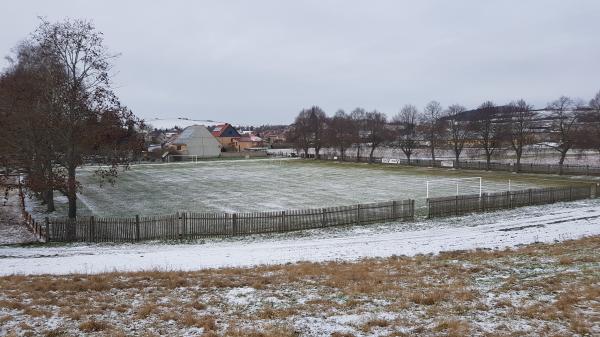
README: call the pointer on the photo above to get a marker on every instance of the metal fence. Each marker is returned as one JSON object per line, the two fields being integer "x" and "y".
{"x": 189, "y": 225}
{"x": 584, "y": 170}
{"x": 464, "y": 204}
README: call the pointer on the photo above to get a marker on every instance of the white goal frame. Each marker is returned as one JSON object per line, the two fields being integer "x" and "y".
{"x": 457, "y": 181}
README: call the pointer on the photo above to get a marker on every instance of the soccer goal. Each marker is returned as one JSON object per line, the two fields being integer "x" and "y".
{"x": 454, "y": 186}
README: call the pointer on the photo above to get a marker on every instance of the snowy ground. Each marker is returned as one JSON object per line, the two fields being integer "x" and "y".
{"x": 547, "y": 223}
{"x": 271, "y": 185}
{"x": 12, "y": 229}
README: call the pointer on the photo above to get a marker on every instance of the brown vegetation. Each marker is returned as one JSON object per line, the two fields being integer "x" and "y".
{"x": 548, "y": 288}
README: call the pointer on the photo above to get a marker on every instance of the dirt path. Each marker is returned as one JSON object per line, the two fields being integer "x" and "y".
{"x": 12, "y": 229}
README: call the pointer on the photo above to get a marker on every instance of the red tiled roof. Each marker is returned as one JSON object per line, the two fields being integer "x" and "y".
{"x": 218, "y": 130}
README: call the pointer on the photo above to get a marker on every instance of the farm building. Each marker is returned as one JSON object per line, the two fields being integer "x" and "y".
{"x": 196, "y": 140}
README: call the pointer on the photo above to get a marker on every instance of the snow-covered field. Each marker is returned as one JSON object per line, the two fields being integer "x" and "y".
{"x": 270, "y": 185}
{"x": 547, "y": 223}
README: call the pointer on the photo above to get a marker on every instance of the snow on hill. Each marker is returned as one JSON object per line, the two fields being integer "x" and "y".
{"x": 169, "y": 123}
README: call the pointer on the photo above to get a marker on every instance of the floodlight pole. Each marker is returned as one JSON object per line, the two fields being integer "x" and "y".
{"x": 427, "y": 189}
{"x": 480, "y": 187}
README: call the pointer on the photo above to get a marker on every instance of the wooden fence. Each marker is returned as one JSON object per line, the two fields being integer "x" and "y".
{"x": 584, "y": 170}
{"x": 190, "y": 225}
{"x": 464, "y": 204}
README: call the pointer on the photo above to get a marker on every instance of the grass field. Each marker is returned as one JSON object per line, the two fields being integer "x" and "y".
{"x": 261, "y": 185}
{"x": 536, "y": 290}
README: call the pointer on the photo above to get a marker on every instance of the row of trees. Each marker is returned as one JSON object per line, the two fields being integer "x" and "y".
{"x": 57, "y": 111}
{"x": 563, "y": 125}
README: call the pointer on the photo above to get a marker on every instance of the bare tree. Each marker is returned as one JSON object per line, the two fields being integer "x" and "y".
{"x": 519, "y": 129}
{"x": 318, "y": 123}
{"x": 406, "y": 135}
{"x": 358, "y": 117}
{"x": 432, "y": 125}
{"x": 376, "y": 130}
{"x": 300, "y": 133}
{"x": 459, "y": 129}
{"x": 90, "y": 121}
{"x": 342, "y": 132}
{"x": 487, "y": 130}
{"x": 564, "y": 128}
{"x": 591, "y": 137}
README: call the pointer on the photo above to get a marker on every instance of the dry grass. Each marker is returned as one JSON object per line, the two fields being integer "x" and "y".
{"x": 550, "y": 289}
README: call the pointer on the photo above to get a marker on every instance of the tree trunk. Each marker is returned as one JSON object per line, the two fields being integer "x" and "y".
{"x": 358, "y": 153}
{"x": 518, "y": 168}
{"x": 563, "y": 154}
{"x": 488, "y": 160}
{"x": 371, "y": 154}
{"x": 317, "y": 154}
{"x": 408, "y": 157}
{"x": 432, "y": 152}
{"x": 72, "y": 192}
{"x": 457, "y": 155}
{"x": 50, "y": 200}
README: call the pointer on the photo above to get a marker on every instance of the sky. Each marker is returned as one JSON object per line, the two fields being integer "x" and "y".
{"x": 261, "y": 62}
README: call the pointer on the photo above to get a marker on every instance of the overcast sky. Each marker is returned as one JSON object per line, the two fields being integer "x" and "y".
{"x": 261, "y": 62}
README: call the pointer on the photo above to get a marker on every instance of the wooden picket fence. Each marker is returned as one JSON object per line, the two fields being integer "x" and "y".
{"x": 189, "y": 225}
{"x": 464, "y": 204}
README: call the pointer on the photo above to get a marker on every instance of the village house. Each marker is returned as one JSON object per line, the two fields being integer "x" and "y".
{"x": 248, "y": 143}
{"x": 225, "y": 134}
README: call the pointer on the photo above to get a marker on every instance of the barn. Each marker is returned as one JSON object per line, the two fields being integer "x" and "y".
{"x": 196, "y": 140}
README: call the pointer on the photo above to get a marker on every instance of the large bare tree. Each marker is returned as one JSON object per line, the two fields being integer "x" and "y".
{"x": 519, "y": 129}
{"x": 89, "y": 121}
{"x": 342, "y": 132}
{"x": 459, "y": 129}
{"x": 376, "y": 130}
{"x": 406, "y": 134}
{"x": 432, "y": 125}
{"x": 565, "y": 127}
{"x": 358, "y": 117}
{"x": 487, "y": 130}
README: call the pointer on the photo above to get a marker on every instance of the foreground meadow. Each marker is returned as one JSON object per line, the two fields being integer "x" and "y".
{"x": 538, "y": 289}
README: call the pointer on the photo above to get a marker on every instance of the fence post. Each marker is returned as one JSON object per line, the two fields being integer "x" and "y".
{"x": 323, "y": 221}
{"x": 137, "y": 227}
{"x": 92, "y": 229}
{"x": 47, "y": 225}
{"x": 482, "y": 201}
{"x": 456, "y": 205}
{"x": 394, "y": 216}
{"x": 282, "y": 226}
{"x": 412, "y": 208}
{"x": 570, "y": 193}
{"x": 358, "y": 214}
{"x": 234, "y": 223}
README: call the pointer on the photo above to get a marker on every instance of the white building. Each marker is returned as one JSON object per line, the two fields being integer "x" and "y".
{"x": 196, "y": 140}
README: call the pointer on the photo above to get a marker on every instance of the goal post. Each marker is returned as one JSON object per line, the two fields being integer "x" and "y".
{"x": 454, "y": 186}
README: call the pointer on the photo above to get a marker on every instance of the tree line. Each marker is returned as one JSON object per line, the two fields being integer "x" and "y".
{"x": 58, "y": 111}
{"x": 564, "y": 124}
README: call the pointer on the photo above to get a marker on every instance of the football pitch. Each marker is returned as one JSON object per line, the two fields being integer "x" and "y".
{"x": 278, "y": 184}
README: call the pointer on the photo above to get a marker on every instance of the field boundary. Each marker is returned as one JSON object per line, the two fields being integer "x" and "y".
{"x": 190, "y": 225}
{"x": 565, "y": 169}
{"x": 486, "y": 202}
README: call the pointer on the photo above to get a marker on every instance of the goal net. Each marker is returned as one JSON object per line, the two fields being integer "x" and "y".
{"x": 454, "y": 186}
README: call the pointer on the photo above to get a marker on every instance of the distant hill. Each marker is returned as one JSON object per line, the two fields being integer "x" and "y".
{"x": 169, "y": 123}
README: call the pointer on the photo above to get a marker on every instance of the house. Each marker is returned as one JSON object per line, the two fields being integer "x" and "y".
{"x": 248, "y": 142}
{"x": 225, "y": 134}
{"x": 196, "y": 140}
